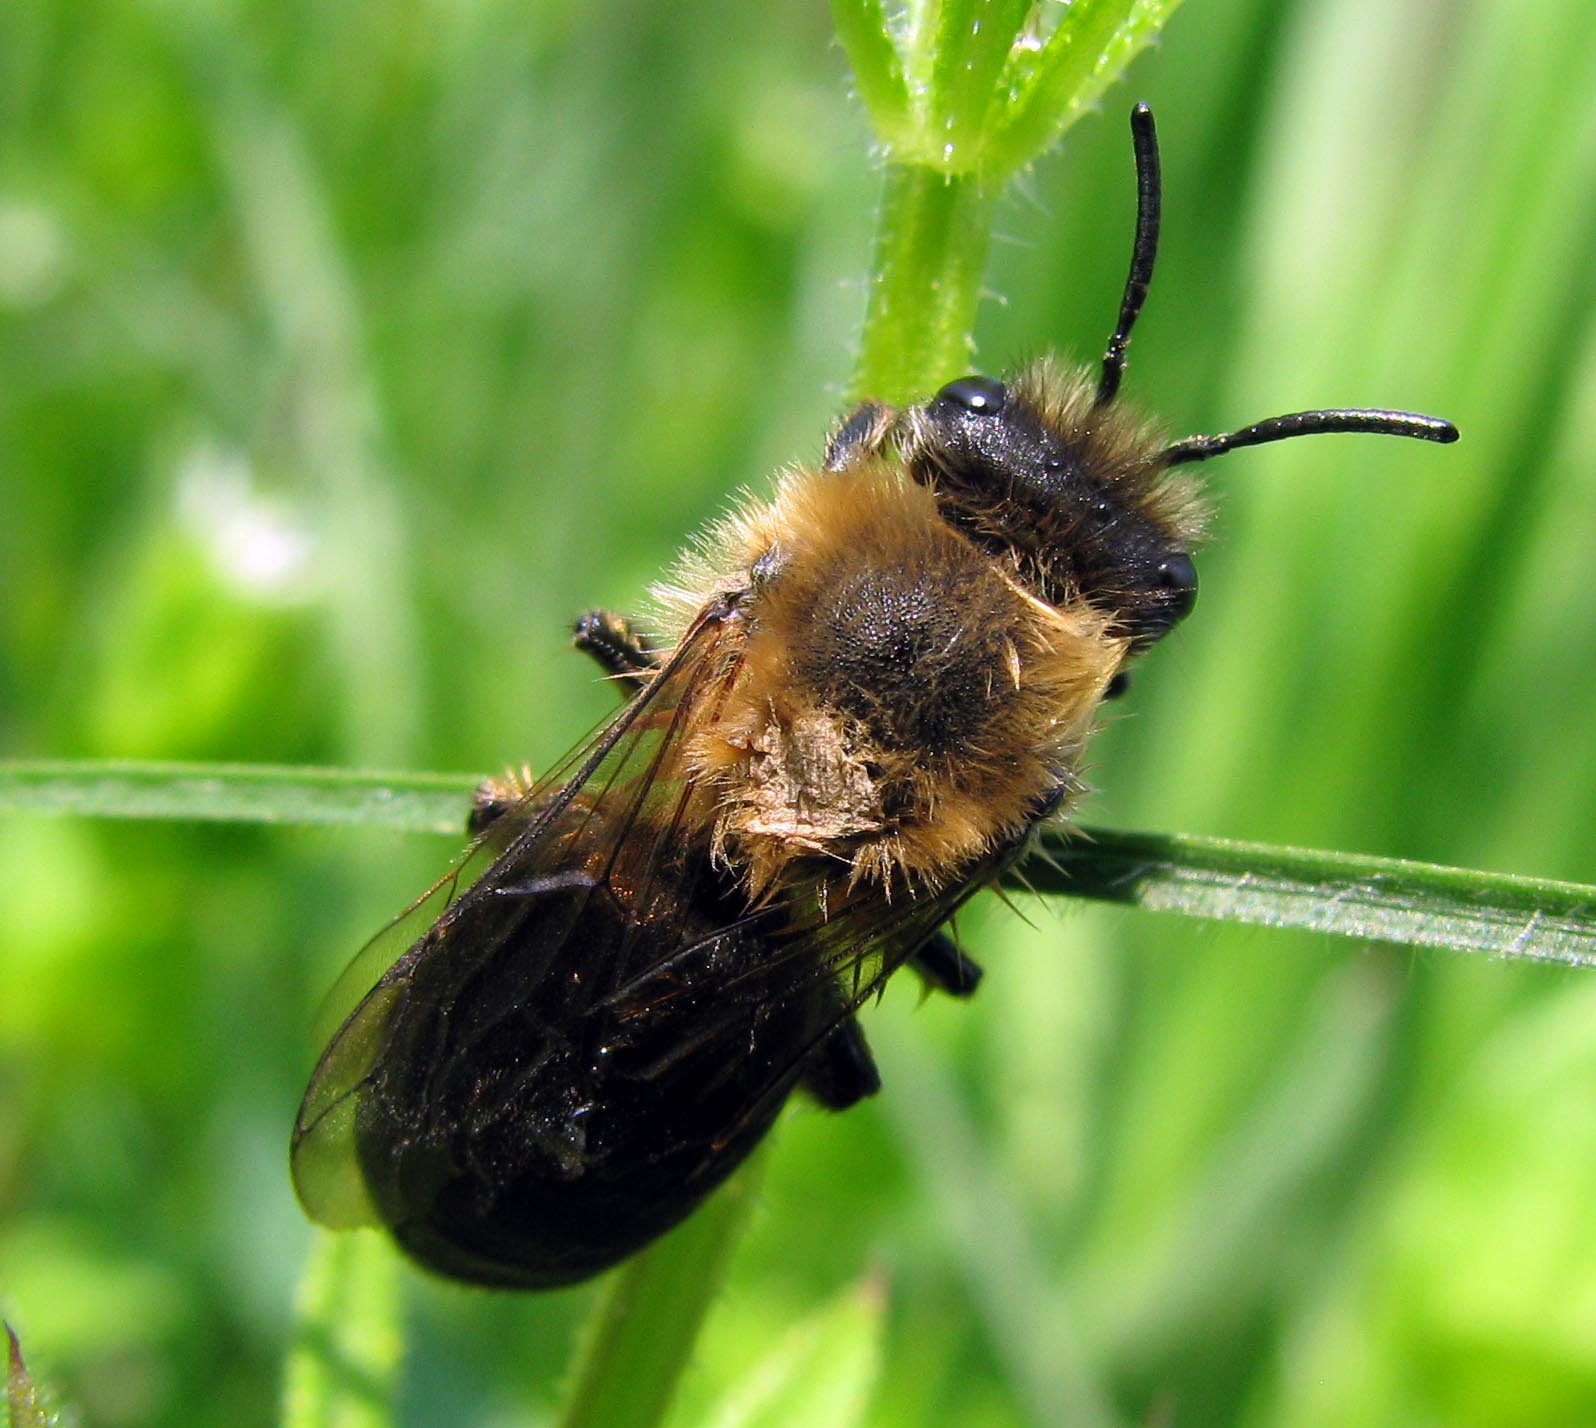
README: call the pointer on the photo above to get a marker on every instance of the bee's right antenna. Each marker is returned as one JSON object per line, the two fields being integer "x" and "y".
{"x": 1149, "y": 203}
{"x": 1380, "y": 422}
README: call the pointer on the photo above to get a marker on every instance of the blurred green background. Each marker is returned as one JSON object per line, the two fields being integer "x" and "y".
{"x": 347, "y": 349}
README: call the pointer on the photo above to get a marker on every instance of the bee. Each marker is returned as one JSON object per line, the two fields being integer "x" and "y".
{"x": 872, "y": 689}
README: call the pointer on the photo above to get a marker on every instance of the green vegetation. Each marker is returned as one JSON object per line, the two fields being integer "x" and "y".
{"x": 346, "y": 350}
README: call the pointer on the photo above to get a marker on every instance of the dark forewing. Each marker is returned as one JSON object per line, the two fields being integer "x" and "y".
{"x": 584, "y": 814}
{"x": 596, "y": 1031}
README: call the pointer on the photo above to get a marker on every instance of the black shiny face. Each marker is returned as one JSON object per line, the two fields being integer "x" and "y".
{"x": 1062, "y": 495}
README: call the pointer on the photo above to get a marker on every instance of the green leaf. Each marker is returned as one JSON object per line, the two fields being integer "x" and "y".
{"x": 1084, "y": 56}
{"x": 974, "y": 40}
{"x": 877, "y": 70}
{"x": 24, "y": 1403}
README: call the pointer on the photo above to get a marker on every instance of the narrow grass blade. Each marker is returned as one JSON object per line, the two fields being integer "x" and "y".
{"x": 821, "y": 1372}
{"x": 1348, "y": 894}
{"x": 237, "y": 793}
{"x": 1034, "y": 1330}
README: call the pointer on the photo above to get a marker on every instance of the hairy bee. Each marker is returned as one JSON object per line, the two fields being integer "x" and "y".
{"x": 873, "y": 689}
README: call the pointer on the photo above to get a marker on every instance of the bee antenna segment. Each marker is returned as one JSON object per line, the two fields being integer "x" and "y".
{"x": 1380, "y": 423}
{"x": 1149, "y": 204}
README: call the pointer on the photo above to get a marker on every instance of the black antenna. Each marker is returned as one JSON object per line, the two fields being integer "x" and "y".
{"x": 1381, "y": 423}
{"x": 1149, "y": 202}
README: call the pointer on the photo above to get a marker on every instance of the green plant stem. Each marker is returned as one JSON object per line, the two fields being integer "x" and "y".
{"x": 926, "y": 283}
{"x": 642, "y": 1334}
{"x": 343, "y": 1363}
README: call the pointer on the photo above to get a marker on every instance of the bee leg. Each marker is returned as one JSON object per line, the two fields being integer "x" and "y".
{"x": 945, "y": 967}
{"x": 495, "y": 797}
{"x": 864, "y": 431}
{"x": 611, "y": 640}
{"x": 842, "y": 1071}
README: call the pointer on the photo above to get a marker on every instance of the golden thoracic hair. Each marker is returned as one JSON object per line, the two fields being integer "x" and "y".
{"x": 900, "y": 702}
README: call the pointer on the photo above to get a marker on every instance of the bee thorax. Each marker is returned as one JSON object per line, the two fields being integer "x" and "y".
{"x": 902, "y": 705}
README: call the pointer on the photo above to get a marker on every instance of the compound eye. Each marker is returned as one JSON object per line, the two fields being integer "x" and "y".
{"x": 1177, "y": 579}
{"x": 976, "y": 394}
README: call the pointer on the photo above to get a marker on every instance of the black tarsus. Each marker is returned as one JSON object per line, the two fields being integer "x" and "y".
{"x": 1149, "y": 207}
{"x": 861, "y": 432}
{"x": 1357, "y": 419}
{"x": 611, "y": 640}
{"x": 945, "y": 967}
{"x": 841, "y": 1072}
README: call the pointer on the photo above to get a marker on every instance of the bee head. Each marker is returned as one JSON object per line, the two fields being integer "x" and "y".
{"x": 1050, "y": 471}
{"x": 1070, "y": 487}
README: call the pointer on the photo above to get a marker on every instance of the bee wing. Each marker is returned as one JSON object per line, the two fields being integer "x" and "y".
{"x": 366, "y": 967}
{"x": 601, "y": 817}
{"x": 350, "y": 1020}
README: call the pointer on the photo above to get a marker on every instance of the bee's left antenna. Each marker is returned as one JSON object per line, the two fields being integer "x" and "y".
{"x": 1149, "y": 203}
